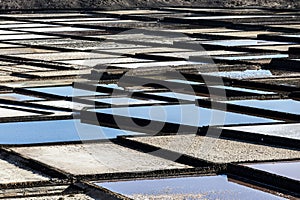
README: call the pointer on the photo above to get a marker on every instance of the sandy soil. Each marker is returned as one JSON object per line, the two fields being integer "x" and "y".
{"x": 219, "y": 150}
{"x": 10, "y": 173}
{"x": 97, "y": 158}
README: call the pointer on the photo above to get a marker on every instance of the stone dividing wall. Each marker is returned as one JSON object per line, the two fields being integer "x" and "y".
{"x": 6, "y": 5}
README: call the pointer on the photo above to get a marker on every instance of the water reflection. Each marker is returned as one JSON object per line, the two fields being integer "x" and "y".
{"x": 55, "y": 131}
{"x": 208, "y": 187}
{"x": 281, "y": 105}
{"x": 185, "y": 114}
{"x": 65, "y": 91}
{"x": 286, "y": 169}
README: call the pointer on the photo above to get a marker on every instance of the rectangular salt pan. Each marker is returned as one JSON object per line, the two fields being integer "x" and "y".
{"x": 281, "y": 105}
{"x": 279, "y": 130}
{"x": 257, "y": 57}
{"x": 55, "y": 131}
{"x": 207, "y": 187}
{"x": 18, "y": 97}
{"x": 65, "y": 91}
{"x": 179, "y": 96}
{"x": 233, "y": 43}
{"x": 285, "y": 169}
{"x": 185, "y": 114}
{"x": 125, "y": 101}
{"x": 243, "y": 89}
{"x": 247, "y": 74}
{"x": 7, "y": 112}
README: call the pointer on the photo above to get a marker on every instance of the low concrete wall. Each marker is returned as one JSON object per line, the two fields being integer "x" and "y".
{"x": 6, "y": 5}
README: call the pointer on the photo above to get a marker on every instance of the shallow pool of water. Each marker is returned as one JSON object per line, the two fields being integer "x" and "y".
{"x": 54, "y": 131}
{"x": 281, "y": 105}
{"x": 179, "y": 96}
{"x": 18, "y": 97}
{"x": 206, "y": 187}
{"x": 113, "y": 86}
{"x": 185, "y": 114}
{"x": 56, "y": 29}
{"x": 295, "y": 36}
{"x": 125, "y": 101}
{"x": 156, "y": 64}
{"x": 285, "y": 169}
{"x": 184, "y": 81}
{"x": 258, "y": 57}
{"x": 65, "y": 91}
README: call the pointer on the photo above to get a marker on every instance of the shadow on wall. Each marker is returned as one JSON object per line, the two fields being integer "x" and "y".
{"x": 6, "y": 5}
